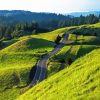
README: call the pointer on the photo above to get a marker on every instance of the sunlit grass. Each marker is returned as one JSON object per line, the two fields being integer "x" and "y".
{"x": 79, "y": 81}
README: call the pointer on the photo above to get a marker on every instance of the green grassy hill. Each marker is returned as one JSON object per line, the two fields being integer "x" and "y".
{"x": 19, "y": 56}
{"x": 17, "y": 59}
{"x": 80, "y": 81}
{"x": 76, "y": 49}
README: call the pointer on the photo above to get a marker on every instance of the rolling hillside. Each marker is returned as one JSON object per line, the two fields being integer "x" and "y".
{"x": 79, "y": 81}
{"x": 19, "y": 57}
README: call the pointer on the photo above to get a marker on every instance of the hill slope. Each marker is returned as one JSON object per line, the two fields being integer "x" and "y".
{"x": 21, "y": 16}
{"x": 79, "y": 81}
{"x": 18, "y": 60}
{"x": 19, "y": 57}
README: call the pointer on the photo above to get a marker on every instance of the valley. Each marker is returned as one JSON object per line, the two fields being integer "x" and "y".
{"x": 74, "y": 62}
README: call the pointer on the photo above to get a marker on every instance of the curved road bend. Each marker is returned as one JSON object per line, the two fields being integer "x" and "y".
{"x": 41, "y": 69}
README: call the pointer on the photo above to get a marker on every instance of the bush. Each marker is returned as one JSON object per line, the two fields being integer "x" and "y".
{"x": 58, "y": 39}
{"x": 1, "y": 44}
{"x": 87, "y": 31}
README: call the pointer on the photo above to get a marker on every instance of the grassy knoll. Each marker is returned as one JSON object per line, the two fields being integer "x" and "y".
{"x": 79, "y": 81}
{"x": 17, "y": 58}
{"x": 16, "y": 62}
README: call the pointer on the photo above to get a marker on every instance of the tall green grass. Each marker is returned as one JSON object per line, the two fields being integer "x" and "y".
{"x": 78, "y": 82}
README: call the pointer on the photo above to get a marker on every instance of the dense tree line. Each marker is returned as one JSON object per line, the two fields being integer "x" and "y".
{"x": 22, "y": 23}
{"x": 20, "y": 29}
{"x": 90, "y": 19}
{"x": 1, "y": 44}
{"x": 44, "y": 19}
{"x": 47, "y": 20}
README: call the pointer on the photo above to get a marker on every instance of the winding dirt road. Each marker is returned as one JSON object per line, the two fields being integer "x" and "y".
{"x": 41, "y": 67}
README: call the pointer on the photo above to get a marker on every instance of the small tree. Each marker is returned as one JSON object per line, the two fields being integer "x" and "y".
{"x": 58, "y": 39}
{"x": 1, "y": 44}
{"x": 69, "y": 61}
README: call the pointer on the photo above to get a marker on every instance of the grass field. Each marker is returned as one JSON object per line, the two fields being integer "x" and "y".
{"x": 78, "y": 82}
{"x": 17, "y": 58}
{"x": 20, "y": 55}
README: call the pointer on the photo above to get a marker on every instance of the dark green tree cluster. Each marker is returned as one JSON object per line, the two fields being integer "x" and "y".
{"x": 20, "y": 29}
{"x": 1, "y": 44}
{"x": 90, "y": 19}
{"x": 15, "y": 26}
{"x": 58, "y": 39}
{"x": 87, "y": 31}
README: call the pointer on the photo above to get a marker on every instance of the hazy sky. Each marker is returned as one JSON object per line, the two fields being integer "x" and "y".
{"x": 57, "y": 6}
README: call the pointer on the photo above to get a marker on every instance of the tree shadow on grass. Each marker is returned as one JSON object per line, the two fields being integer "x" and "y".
{"x": 35, "y": 43}
{"x": 8, "y": 43}
{"x": 32, "y": 73}
{"x": 84, "y": 51}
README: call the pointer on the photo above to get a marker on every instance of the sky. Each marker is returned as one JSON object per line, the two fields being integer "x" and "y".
{"x": 53, "y": 6}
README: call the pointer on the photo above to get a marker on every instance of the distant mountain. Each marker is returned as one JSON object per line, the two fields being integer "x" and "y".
{"x": 77, "y": 14}
{"x": 29, "y": 16}
{"x": 21, "y": 16}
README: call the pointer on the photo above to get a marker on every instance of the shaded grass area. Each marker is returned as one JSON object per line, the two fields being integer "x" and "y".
{"x": 80, "y": 46}
{"x": 61, "y": 59}
{"x": 30, "y": 45}
{"x": 79, "y": 81}
{"x": 8, "y": 43}
{"x": 50, "y": 36}
{"x": 85, "y": 49}
{"x": 89, "y": 30}
{"x": 13, "y": 77}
